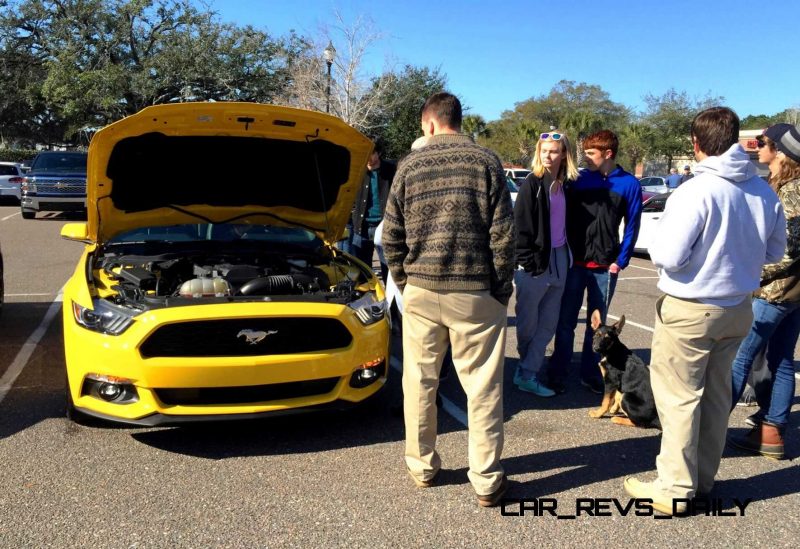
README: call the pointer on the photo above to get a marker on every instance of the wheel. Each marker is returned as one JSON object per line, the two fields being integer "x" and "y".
{"x": 28, "y": 214}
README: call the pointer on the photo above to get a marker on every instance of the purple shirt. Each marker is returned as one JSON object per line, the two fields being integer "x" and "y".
{"x": 558, "y": 211}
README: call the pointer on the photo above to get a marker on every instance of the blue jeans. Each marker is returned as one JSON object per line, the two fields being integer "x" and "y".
{"x": 599, "y": 286}
{"x": 346, "y": 244}
{"x": 776, "y": 327}
{"x": 363, "y": 243}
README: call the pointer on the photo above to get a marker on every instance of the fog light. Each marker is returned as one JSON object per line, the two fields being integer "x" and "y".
{"x": 110, "y": 389}
{"x": 368, "y": 373}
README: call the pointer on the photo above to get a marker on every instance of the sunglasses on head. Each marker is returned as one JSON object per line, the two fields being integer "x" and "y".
{"x": 553, "y": 136}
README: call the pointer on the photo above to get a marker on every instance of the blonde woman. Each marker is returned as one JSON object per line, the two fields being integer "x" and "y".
{"x": 776, "y": 307}
{"x": 542, "y": 255}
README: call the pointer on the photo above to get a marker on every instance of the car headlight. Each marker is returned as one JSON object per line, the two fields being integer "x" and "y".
{"x": 105, "y": 318}
{"x": 368, "y": 309}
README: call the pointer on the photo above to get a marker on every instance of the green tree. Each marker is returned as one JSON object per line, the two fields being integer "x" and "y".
{"x": 501, "y": 139}
{"x": 103, "y": 59}
{"x": 474, "y": 125}
{"x": 757, "y": 121}
{"x": 634, "y": 142}
{"x": 397, "y": 121}
{"x": 575, "y": 107}
{"x": 670, "y": 119}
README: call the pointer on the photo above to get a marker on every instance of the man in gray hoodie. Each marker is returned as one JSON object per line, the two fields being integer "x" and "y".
{"x": 717, "y": 231}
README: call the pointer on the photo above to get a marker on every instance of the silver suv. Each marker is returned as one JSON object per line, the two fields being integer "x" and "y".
{"x": 56, "y": 182}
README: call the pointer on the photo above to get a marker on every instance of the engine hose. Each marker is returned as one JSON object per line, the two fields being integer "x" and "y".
{"x": 267, "y": 285}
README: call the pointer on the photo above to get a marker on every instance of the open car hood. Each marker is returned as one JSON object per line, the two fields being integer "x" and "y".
{"x": 224, "y": 162}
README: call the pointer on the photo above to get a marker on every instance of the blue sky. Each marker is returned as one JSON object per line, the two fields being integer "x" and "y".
{"x": 496, "y": 54}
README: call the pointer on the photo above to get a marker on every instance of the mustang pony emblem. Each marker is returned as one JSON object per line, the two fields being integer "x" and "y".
{"x": 253, "y": 337}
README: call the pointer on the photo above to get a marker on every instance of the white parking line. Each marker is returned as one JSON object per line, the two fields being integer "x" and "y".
{"x": 638, "y": 278}
{"x": 642, "y": 268}
{"x": 627, "y": 322}
{"x": 24, "y": 354}
{"x": 455, "y": 412}
{"x": 9, "y": 216}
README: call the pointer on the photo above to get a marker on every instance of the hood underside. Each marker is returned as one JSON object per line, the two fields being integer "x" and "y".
{"x": 224, "y": 162}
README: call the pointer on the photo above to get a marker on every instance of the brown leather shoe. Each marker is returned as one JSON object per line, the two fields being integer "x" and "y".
{"x": 490, "y": 500}
{"x": 764, "y": 439}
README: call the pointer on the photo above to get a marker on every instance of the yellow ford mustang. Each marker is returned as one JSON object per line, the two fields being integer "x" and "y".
{"x": 209, "y": 287}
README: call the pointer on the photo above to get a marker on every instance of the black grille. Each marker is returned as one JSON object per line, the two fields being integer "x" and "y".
{"x": 246, "y": 337}
{"x": 246, "y": 395}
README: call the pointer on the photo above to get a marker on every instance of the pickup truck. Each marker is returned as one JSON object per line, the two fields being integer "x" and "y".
{"x": 56, "y": 182}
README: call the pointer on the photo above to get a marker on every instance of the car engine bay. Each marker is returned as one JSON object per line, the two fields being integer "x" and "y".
{"x": 144, "y": 282}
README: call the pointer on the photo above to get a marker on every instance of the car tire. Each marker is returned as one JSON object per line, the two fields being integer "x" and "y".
{"x": 28, "y": 214}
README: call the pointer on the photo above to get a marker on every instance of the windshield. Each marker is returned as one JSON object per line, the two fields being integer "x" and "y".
{"x": 512, "y": 187}
{"x": 66, "y": 162}
{"x": 219, "y": 232}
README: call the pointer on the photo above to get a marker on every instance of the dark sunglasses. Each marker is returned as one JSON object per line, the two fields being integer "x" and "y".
{"x": 553, "y": 136}
{"x": 760, "y": 142}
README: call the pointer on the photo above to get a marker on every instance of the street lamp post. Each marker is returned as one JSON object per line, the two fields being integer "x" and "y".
{"x": 329, "y": 54}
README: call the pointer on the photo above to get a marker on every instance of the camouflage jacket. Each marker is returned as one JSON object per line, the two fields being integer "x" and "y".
{"x": 781, "y": 281}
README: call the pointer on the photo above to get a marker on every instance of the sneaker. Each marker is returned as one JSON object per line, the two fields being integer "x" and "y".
{"x": 594, "y": 385}
{"x": 764, "y": 439}
{"x": 490, "y": 500}
{"x": 430, "y": 483}
{"x": 647, "y": 490}
{"x": 753, "y": 420}
{"x": 533, "y": 386}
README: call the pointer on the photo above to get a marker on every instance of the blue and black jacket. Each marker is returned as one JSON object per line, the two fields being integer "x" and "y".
{"x": 596, "y": 205}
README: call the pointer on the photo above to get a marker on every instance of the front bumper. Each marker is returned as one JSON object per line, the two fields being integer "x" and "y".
{"x": 164, "y": 420}
{"x": 53, "y": 203}
{"x": 91, "y": 354}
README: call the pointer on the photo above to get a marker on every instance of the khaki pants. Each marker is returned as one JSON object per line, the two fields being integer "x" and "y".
{"x": 693, "y": 348}
{"x": 474, "y": 323}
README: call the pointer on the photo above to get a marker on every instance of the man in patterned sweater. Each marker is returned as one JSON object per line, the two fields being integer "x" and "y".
{"x": 449, "y": 240}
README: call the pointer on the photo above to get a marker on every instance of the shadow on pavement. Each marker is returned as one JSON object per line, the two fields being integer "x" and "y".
{"x": 38, "y": 393}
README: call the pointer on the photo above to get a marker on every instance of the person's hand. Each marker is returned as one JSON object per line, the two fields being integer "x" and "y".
{"x": 614, "y": 269}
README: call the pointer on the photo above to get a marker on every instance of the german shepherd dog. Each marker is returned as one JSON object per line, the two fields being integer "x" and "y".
{"x": 625, "y": 376}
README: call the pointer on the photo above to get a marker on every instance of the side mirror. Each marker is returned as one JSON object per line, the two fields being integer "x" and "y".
{"x": 76, "y": 231}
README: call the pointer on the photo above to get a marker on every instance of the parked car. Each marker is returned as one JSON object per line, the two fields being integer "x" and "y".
{"x": 513, "y": 188}
{"x": 194, "y": 300}
{"x": 652, "y": 209}
{"x": 654, "y": 184}
{"x": 517, "y": 174}
{"x": 10, "y": 179}
{"x": 55, "y": 182}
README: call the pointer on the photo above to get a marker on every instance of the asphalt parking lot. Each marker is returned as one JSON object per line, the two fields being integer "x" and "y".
{"x": 333, "y": 479}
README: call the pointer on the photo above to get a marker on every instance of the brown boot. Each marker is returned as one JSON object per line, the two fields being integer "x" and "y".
{"x": 764, "y": 439}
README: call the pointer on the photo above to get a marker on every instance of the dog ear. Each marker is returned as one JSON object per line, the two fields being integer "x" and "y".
{"x": 596, "y": 321}
{"x": 619, "y": 324}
